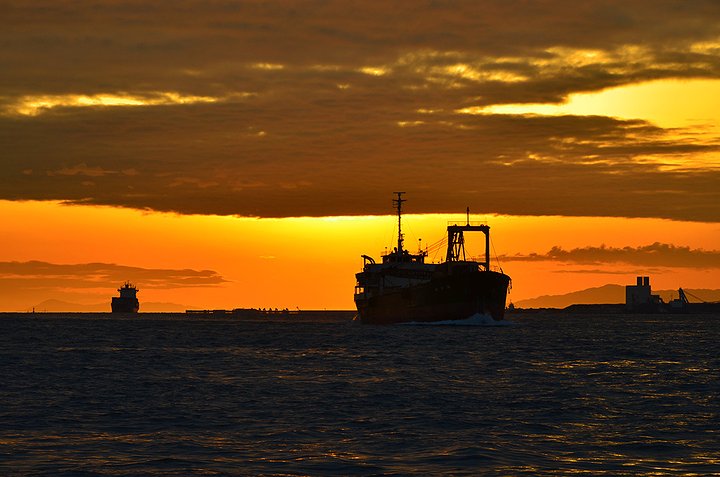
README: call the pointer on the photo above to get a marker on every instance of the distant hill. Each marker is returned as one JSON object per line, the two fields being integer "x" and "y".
{"x": 609, "y": 294}
{"x": 65, "y": 306}
{"x": 603, "y": 294}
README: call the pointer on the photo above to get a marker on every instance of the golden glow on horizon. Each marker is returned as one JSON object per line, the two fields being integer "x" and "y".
{"x": 688, "y": 109}
{"x": 469, "y": 72}
{"x": 310, "y": 262}
{"x": 404, "y": 124}
{"x": 35, "y": 105}
{"x": 444, "y": 66}
{"x": 374, "y": 71}
{"x": 575, "y": 57}
{"x": 563, "y": 58}
{"x": 706, "y": 47}
{"x": 268, "y": 66}
{"x": 666, "y": 103}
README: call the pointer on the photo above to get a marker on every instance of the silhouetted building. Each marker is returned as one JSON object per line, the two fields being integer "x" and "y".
{"x": 639, "y": 297}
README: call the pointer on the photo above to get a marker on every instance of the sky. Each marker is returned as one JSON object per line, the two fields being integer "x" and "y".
{"x": 224, "y": 154}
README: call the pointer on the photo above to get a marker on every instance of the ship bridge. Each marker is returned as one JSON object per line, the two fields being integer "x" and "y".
{"x": 404, "y": 257}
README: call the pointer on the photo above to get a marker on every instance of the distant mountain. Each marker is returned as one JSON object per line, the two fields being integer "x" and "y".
{"x": 64, "y": 306}
{"x": 158, "y": 307}
{"x": 53, "y": 306}
{"x": 610, "y": 294}
{"x": 603, "y": 294}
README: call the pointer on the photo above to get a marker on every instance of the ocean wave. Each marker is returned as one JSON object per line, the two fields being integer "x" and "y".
{"x": 478, "y": 319}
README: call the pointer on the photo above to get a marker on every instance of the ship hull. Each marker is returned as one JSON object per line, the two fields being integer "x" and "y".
{"x": 450, "y": 297}
{"x": 125, "y": 305}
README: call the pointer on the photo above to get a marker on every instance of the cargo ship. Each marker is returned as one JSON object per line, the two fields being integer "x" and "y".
{"x": 404, "y": 289}
{"x": 127, "y": 302}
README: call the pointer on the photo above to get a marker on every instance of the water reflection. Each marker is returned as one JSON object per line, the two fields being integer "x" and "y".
{"x": 579, "y": 396}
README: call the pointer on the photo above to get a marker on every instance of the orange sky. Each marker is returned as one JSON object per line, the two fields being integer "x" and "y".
{"x": 185, "y": 139}
{"x": 310, "y": 262}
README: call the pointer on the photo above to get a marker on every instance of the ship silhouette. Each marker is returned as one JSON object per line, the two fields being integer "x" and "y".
{"x": 403, "y": 288}
{"x": 127, "y": 302}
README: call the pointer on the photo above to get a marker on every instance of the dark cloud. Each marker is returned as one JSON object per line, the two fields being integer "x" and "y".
{"x": 323, "y": 108}
{"x": 44, "y": 275}
{"x": 654, "y": 255}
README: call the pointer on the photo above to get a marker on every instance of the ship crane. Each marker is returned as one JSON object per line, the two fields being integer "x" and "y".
{"x": 682, "y": 303}
{"x": 456, "y": 241}
{"x": 683, "y": 297}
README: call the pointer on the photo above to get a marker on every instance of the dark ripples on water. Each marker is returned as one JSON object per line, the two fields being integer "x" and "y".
{"x": 552, "y": 395}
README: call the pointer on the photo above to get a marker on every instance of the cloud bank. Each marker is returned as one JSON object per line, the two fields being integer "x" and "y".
{"x": 44, "y": 275}
{"x": 293, "y": 108}
{"x": 654, "y": 255}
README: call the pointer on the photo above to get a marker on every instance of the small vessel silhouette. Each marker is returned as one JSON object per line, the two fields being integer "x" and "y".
{"x": 127, "y": 302}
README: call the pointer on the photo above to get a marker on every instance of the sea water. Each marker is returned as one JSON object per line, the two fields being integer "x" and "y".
{"x": 553, "y": 394}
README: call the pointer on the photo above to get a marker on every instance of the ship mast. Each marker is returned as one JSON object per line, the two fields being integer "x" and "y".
{"x": 398, "y": 204}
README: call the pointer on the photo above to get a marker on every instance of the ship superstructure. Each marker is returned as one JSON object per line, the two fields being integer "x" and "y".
{"x": 403, "y": 288}
{"x": 127, "y": 302}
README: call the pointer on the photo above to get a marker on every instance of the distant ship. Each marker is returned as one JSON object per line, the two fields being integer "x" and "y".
{"x": 127, "y": 302}
{"x": 403, "y": 288}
